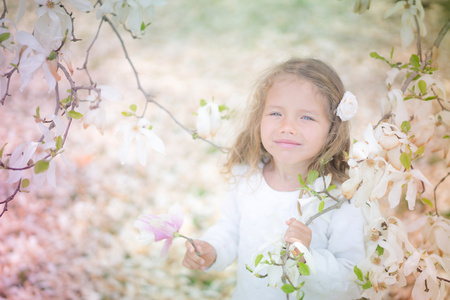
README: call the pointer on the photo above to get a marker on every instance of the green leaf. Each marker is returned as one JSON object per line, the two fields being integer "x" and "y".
{"x": 321, "y": 205}
{"x": 38, "y": 115}
{"x": 59, "y": 143}
{"x": 358, "y": 273}
{"x": 392, "y": 52}
{"x": 4, "y": 36}
{"x": 376, "y": 55}
{"x": 25, "y": 183}
{"x": 312, "y": 176}
{"x": 414, "y": 61}
{"x": 405, "y": 159}
{"x": 367, "y": 285}
{"x": 446, "y": 137}
{"x": 258, "y": 259}
{"x": 420, "y": 151}
{"x": 52, "y": 55}
{"x": 427, "y": 202}
{"x": 422, "y": 87}
{"x": 74, "y": 115}
{"x": 331, "y": 187}
{"x": 287, "y": 288}
{"x": 65, "y": 100}
{"x": 144, "y": 26}
{"x": 41, "y": 166}
{"x": 133, "y": 107}
{"x": 202, "y": 102}
{"x": 380, "y": 250}
{"x": 303, "y": 268}
{"x": 14, "y": 65}
{"x": 222, "y": 107}
{"x": 430, "y": 98}
{"x": 406, "y": 126}
{"x": 1, "y": 150}
{"x": 127, "y": 113}
{"x": 300, "y": 179}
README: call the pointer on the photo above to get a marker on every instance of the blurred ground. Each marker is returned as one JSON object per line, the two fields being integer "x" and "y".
{"x": 77, "y": 241}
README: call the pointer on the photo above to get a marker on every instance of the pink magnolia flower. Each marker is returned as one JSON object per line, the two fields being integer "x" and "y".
{"x": 155, "y": 228}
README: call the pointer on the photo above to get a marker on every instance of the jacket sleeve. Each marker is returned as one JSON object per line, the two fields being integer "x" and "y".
{"x": 334, "y": 265}
{"x": 224, "y": 235}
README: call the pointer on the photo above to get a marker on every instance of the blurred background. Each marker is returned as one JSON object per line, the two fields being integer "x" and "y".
{"x": 77, "y": 241}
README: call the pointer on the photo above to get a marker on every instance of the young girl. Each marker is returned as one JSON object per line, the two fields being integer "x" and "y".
{"x": 291, "y": 124}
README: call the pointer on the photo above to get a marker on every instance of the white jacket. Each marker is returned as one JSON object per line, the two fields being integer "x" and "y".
{"x": 252, "y": 210}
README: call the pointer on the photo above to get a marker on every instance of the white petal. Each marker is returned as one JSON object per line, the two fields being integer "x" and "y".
{"x": 51, "y": 173}
{"x": 398, "y": 5}
{"x": 417, "y": 174}
{"x": 411, "y": 194}
{"x": 203, "y": 121}
{"x": 124, "y": 149}
{"x": 395, "y": 194}
{"x": 109, "y": 93}
{"x": 411, "y": 263}
{"x": 155, "y": 141}
{"x": 27, "y": 39}
{"x": 307, "y": 255}
{"x": 21, "y": 10}
{"x": 141, "y": 150}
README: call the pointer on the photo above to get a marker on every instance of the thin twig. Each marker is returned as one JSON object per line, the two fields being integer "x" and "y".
{"x": 10, "y": 198}
{"x": 419, "y": 44}
{"x": 442, "y": 33}
{"x": 5, "y": 10}
{"x": 8, "y": 81}
{"x": 190, "y": 241}
{"x": 88, "y": 51}
{"x": 424, "y": 63}
{"x": 435, "y": 197}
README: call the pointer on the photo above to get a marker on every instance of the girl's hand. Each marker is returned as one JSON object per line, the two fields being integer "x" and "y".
{"x": 297, "y": 232}
{"x": 193, "y": 261}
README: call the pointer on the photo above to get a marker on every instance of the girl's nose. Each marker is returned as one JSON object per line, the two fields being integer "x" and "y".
{"x": 288, "y": 127}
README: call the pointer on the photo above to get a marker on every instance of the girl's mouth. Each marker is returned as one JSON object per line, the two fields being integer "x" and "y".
{"x": 287, "y": 144}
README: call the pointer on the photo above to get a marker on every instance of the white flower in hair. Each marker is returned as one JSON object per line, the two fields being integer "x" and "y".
{"x": 348, "y": 107}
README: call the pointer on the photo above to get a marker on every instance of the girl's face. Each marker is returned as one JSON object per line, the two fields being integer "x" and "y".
{"x": 294, "y": 123}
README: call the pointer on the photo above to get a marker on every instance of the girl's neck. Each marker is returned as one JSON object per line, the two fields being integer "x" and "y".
{"x": 281, "y": 178}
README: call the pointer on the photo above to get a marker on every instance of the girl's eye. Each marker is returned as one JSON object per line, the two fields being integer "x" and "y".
{"x": 306, "y": 118}
{"x": 275, "y": 114}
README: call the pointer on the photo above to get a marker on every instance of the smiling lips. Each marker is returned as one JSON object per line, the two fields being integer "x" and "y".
{"x": 287, "y": 144}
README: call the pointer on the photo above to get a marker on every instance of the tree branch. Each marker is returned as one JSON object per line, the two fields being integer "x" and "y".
{"x": 10, "y": 198}
{"x": 150, "y": 99}
{"x": 435, "y": 197}
{"x": 5, "y": 10}
{"x": 88, "y": 51}
{"x": 419, "y": 45}
{"x": 424, "y": 63}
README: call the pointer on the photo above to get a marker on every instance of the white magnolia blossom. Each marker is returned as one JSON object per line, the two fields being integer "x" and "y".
{"x": 9, "y": 42}
{"x": 348, "y": 107}
{"x": 81, "y": 5}
{"x": 391, "y": 76}
{"x": 141, "y": 134}
{"x": 412, "y": 9}
{"x": 395, "y": 98}
{"x": 33, "y": 55}
{"x": 96, "y": 114}
{"x": 33, "y": 152}
{"x": 132, "y": 13}
{"x": 209, "y": 120}
{"x": 19, "y": 159}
